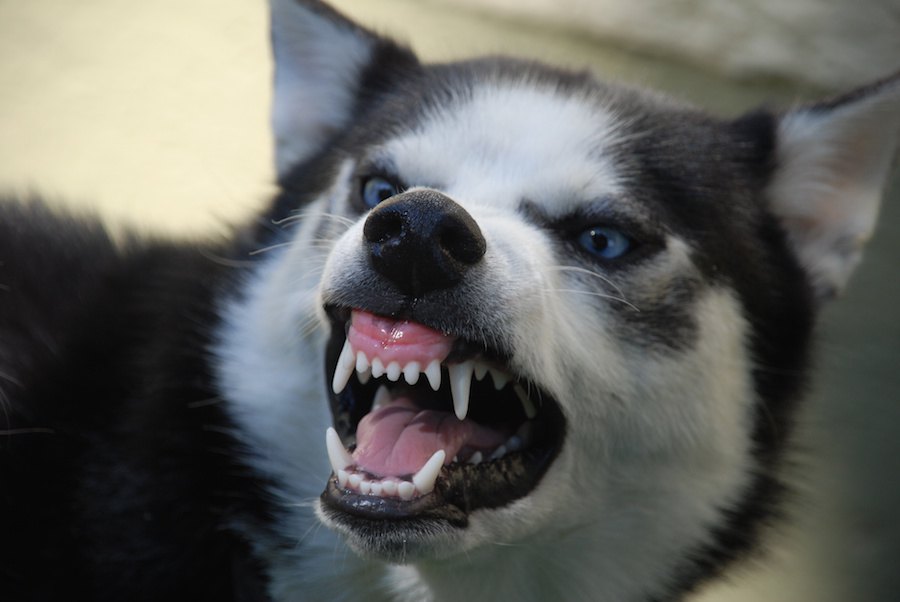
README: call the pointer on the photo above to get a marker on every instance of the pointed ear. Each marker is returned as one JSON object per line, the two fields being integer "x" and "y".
{"x": 322, "y": 62}
{"x": 832, "y": 163}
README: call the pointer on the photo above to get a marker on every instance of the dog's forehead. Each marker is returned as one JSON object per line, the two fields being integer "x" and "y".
{"x": 509, "y": 140}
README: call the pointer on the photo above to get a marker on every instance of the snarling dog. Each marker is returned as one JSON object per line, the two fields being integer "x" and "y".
{"x": 517, "y": 334}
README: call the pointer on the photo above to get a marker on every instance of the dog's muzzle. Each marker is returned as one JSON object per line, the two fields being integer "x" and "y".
{"x": 429, "y": 424}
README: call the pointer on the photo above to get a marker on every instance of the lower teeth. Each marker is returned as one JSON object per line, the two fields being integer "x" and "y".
{"x": 422, "y": 483}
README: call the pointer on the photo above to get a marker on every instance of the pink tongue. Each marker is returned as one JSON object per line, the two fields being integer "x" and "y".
{"x": 397, "y": 439}
{"x": 392, "y": 340}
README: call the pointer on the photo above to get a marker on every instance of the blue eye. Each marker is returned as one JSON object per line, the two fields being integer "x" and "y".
{"x": 605, "y": 243}
{"x": 377, "y": 189}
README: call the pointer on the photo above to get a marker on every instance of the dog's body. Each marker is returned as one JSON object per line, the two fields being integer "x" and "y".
{"x": 631, "y": 283}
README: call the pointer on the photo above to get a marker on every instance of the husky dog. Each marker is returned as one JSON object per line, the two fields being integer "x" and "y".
{"x": 508, "y": 332}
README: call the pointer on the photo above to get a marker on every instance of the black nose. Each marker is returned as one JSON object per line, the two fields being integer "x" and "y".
{"x": 422, "y": 241}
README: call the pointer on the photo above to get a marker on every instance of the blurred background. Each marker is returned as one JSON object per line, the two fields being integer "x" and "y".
{"x": 155, "y": 114}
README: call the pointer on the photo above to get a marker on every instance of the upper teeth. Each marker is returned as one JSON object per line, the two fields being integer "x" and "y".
{"x": 460, "y": 385}
{"x": 461, "y": 374}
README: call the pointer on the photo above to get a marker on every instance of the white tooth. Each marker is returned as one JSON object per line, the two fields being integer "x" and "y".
{"x": 389, "y": 487}
{"x": 476, "y": 458}
{"x": 433, "y": 374}
{"x": 377, "y": 368}
{"x": 342, "y": 477}
{"x": 363, "y": 377}
{"x": 428, "y": 474}
{"x": 376, "y": 488}
{"x": 456, "y": 459}
{"x": 365, "y": 487}
{"x": 338, "y": 456}
{"x": 498, "y": 453}
{"x": 525, "y": 432}
{"x": 411, "y": 372}
{"x": 527, "y": 403}
{"x": 382, "y": 397}
{"x": 500, "y": 378}
{"x": 406, "y": 490}
{"x": 345, "y": 365}
{"x": 362, "y": 362}
{"x": 460, "y": 384}
{"x": 355, "y": 481}
{"x": 481, "y": 370}
{"x": 393, "y": 371}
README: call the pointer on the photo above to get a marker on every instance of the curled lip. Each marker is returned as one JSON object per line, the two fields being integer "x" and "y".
{"x": 471, "y": 480}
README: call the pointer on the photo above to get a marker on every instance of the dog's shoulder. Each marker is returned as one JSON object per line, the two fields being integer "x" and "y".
{"x": 107, "y": 412}
{"x": 71, "y": 288}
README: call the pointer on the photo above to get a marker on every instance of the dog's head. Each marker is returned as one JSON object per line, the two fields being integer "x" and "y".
{"x": 542, "y": 307}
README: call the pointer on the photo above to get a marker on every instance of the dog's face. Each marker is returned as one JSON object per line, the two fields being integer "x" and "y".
{"x": 503, "y": 231}
{"x": 538, "y": 308}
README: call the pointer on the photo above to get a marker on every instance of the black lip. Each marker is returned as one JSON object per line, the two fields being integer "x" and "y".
{"x": 461, "y": 488}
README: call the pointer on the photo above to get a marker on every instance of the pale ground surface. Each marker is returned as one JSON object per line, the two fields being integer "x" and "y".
{"x": 155, "y": 114}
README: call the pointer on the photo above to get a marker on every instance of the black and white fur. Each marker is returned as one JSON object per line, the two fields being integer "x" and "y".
{"x": 163, "y": 404}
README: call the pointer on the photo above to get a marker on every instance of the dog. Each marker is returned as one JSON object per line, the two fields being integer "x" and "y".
{"x": 507, "y": 332}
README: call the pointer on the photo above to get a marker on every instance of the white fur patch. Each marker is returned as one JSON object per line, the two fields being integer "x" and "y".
{"x": 512, "y": 141}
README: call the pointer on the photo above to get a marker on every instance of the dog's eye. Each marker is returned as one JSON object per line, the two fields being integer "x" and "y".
{"x": 376, "y": 189}
{"x": 604, "y": 242}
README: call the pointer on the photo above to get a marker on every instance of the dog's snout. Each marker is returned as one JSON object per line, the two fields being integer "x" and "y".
{"x": 422, "y": 241}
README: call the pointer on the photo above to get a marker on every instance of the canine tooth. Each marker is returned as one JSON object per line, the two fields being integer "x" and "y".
{"x": 377, "y": 367}
{"x": 498, "y": 453}
{"x": 525, "y": 432}
{"x": 342, "y": 477}
{"x": 481, "y": 371}
{"x": 527, "y": 402}
{"x": 513, "y": 444}
{"x": 362, "y": 362}
{"x": 355, "y": 481}
{"x": 345, "y": 365}
{"x": 376, "y": 488}
{"x": 365, "y": 487}
{"x": 411, "y": 372}
{"x": 433, "y": 374}
{"x": 460, "y": 385}
{"x": 500, "y": 378}
{"x": 476, "y": 458}
{"x": 428, "y": 474}
{"x": 389, "y": 487}
{"x": 382, "y": 397}
{"x": 338, "y": 456}
{"x": 406, "y": 490}
{"x": 393, "y": 371}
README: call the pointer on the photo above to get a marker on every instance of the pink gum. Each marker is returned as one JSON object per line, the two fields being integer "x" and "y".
{"x": 396, "y": 341}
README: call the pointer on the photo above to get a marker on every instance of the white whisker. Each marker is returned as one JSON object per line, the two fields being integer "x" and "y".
{"x": 587, "y": 272}
{"x": 593, "y": 294}
{"x": 270, "y": 248}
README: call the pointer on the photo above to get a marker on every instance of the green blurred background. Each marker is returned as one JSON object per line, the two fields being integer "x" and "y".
{"x": 155, "y": 114}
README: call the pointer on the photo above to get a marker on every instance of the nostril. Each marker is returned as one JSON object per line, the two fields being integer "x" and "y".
{"x": 462, "y": 240}
{"x": 383, "y": 226}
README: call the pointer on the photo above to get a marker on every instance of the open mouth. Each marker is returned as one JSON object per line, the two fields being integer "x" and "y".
{"x": 429, "y": 425}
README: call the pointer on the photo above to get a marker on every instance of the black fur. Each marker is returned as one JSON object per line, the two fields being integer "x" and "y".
{"x": 113, "y": 487}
